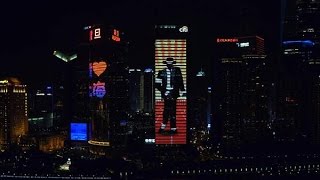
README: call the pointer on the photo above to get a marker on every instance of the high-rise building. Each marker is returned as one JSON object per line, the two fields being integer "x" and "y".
{"x": 240, "y": 101}
{"x": 41, "y": 109}
{"x": 148, "y": 90}
{"x": 13, "y": 111}
{"x": 171, "y": 43}
{"x": 46, "y": 108}
{"x": 136, "y": 90}
{"x": 297, "y": 114}
{"x": 255, "y": 119}
{"x": 198, "y": 113}
{"x": 103, "y": 87}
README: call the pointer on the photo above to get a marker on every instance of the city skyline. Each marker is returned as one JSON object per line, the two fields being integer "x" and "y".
{"x": 30, "y": 41}
{"x": 170, "y": 89}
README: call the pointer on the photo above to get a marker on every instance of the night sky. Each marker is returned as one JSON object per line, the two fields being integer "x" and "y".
{"x": 32, "y": 30}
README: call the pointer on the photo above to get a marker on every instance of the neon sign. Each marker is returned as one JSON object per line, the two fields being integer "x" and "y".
{"x": 95, "y": 34}
{"x": 244, "y": 44}
{"x": 90, "y": 70}
{"x": 183, "y": 29}
{"x": 98, "y": 89}
{"x": 226, "y": 40}
{"x": 115, "y": 35}
{"x": 99, "y": 67}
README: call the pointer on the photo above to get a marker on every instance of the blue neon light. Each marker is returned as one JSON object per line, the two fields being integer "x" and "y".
{"x": 304, "y": 42}
{"x": 148, "y": 70}
{"x": 78, "y": 132}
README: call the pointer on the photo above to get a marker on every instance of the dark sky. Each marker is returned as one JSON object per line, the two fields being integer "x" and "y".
{"x": 31, "y": 30}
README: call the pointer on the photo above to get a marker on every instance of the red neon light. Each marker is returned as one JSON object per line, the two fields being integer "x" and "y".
{"x": 180, "y": 137}
{"x": 99, "y": 67}
{"x": 115, "y": 35}
{"x": 90, "y": 35}
{"x": 223, "y": 40}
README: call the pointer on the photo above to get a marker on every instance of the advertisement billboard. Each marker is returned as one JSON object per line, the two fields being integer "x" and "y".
{"x": 78, "y": 132}
{"x": 170, "y": 91}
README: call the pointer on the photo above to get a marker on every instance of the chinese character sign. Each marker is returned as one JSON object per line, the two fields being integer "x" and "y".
{"x": 95, "y": 34}
{"x": 98, "y": 89}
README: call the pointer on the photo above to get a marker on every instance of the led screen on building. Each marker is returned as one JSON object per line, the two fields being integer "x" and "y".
{"x": 170, "y": 91}
{"x": 78, "y": 132}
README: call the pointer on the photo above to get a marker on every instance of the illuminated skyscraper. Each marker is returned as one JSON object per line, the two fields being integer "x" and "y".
{"x": 240, "y": 101}
{"x": 171, "y": 116}
{"x": 106, "y": 87}
{"x": 297, "y": 114}
{"x": 13, "y": 111}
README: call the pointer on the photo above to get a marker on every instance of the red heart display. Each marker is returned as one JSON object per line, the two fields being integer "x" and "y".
{"x": 99, "y": 67}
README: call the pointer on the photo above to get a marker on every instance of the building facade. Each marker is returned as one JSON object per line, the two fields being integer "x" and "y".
{"x": 13, "y": 111}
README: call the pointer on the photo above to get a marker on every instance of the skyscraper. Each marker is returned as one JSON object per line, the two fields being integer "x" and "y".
{"x": 105, "y": 87}
{"x": 171, "y": 45}
{"x": 198, "y": 113}
{"x": 148, "y": 82}
{"x": 13, "y": 111}
{"x": 298, "y": 78}
{"x": 136, "y": 90}
{"x": 240, "y": 101}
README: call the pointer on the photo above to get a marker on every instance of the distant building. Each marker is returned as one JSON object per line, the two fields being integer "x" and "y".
{"x": 51, "y": 143}
{"x": 241, "y": 98}
{"x": 148, "y": 91}
{"x": 46, "y": 108}
{"x": 298, "y": 114}
{"x": 13, "y": 111}
{"x": 198, "y": 112}
{"x": 41, "y": 109}
{"x": 136, "y": 90}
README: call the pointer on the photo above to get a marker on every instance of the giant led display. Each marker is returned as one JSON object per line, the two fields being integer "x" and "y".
{"x": 170, "y": 91}
{"x": 78, "y": 132}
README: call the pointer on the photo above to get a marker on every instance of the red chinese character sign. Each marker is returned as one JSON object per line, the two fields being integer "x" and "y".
{"x": 170, "y": 91}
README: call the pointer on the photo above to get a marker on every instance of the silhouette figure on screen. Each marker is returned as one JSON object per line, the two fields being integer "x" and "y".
{"x": 169, "y": 82}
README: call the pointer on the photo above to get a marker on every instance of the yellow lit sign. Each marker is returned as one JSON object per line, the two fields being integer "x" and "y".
{"x": 4, "y": 82}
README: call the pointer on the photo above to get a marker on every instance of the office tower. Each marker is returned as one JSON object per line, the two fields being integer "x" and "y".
{"x": 209, "y": 110}
{"x": 297, "y": 114}
{"x": 104, "y": 87}
{"x": 41, "y": 109}
{"x": 46, "y": 108}
{"x": 136, "y": 90}
{"x": 229, "y": 103}
{"x": 240, "y": 101}
{"x": 148, "y": 82}
{"x": 171, "y": 45}
{"x": 255, "y": 129}
{"x": 198, "y": 113}
{"x": 13, "y": 111}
